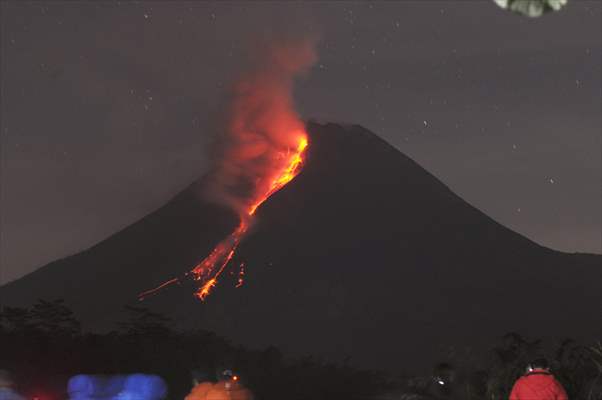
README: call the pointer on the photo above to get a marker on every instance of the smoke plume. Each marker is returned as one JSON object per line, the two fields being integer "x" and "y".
{"x": 260, "y": 125}
{"x": 262, "y": 150}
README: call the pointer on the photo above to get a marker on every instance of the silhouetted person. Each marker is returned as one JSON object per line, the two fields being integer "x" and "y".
{"x": 6, "y": 387}
{"x": 538, "y": 384}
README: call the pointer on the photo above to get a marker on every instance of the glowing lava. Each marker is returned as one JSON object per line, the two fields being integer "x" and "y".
{"x": 263, "y": 148}
{"x": 222, "y": 254}
{"x": 209, "y": 269}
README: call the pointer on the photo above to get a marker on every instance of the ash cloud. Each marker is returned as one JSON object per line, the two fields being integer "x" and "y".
{"x": 259, "y": 124}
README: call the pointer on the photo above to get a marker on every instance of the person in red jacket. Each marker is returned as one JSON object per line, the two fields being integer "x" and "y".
{"x": 538, "y": 384}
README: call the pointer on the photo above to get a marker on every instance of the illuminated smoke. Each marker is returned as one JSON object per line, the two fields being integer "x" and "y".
{"x": 263, "y": 149}
{"x": 261, "y": 126}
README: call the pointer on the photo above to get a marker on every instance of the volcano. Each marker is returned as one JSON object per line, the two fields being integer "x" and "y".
{"x": 363, "y": 256}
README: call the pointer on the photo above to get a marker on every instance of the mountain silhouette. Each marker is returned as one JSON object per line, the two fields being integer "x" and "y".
{"x": 363, "y": 256}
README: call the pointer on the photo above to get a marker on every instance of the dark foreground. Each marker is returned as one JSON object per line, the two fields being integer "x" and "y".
{"x": 43, "y": 346}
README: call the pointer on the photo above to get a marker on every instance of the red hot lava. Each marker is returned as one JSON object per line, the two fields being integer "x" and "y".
{"x": 266, "y": 148}
{"x": 208, "y": 270}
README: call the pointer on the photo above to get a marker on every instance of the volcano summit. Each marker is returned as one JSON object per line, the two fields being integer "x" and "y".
{"x": 363, "y": 255}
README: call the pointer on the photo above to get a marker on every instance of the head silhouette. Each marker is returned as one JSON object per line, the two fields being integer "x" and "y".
{"x": 538, "y": 363}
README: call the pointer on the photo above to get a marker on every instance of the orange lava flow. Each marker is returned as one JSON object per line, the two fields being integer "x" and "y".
{"x": 224, "y": 251}
{"x": 209, "y": 269}
{"x": 293, "y": 166}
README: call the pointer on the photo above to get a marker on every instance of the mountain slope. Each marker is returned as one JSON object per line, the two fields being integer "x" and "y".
{"x": 364, "y": 254}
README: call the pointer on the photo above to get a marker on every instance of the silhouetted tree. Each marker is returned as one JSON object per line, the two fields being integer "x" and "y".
{"x": 15, "y": 319}
{"x": 43, "y": 346}
{"x": 509, "y": 361}
{"x": 579, "y": 368}
{"x": 144, "y": 322}
{"x": 54, "y": 318}
{"x": 50, "y": 317}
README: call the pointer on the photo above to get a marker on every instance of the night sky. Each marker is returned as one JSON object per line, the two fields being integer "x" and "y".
{"x": 107, "y": 107}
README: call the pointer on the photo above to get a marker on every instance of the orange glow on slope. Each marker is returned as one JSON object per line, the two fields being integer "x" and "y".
{"x": 264, "y": 144}
{"x": 224, "y": 251}
{"x": 206, "y": 289}
{"x": 207, "y": 271}
{"x": 295, "y": 161}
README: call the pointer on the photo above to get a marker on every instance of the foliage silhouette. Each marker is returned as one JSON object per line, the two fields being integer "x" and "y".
{"x": 43, "y": 346}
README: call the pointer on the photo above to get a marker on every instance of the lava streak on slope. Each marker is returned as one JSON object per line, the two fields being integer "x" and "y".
{"x": 264, "y": 146}
{"x": 206, "y": 271}
{"x": 209, "y": 270}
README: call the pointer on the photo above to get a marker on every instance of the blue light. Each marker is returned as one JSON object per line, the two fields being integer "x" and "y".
{"x": 144, "y": 387}
{"x": 118, "y": 387}
{"x": 82, "y": 387}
